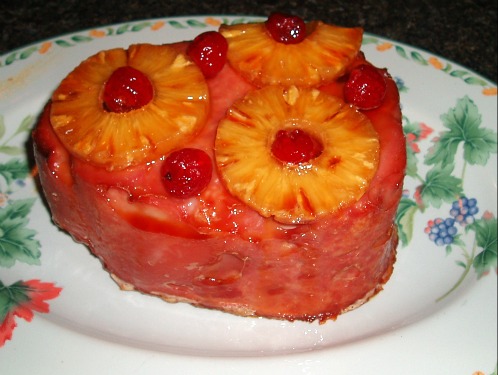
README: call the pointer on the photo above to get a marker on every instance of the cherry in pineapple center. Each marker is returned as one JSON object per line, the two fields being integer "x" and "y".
{"x": 127, "y": 89}
{"x": 295, "y": 146}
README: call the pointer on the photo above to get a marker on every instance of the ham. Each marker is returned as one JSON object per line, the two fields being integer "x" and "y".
{"x": 212, "y": 250}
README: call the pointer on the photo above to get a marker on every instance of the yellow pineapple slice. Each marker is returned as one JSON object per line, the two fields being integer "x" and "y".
{"x": 321, "y": 57}
{"x": 178, "y": 109}
{"x": 295, "y": 192}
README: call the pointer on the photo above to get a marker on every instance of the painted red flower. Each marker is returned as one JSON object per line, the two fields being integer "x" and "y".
{"x": 21, "y": 299}
{"x": 411, "y": 140}
{"x": 418, "y": 197}
{"x": 488, "y": 215}
{"x": 425, "y": 130}
{"x": 419, "y": 133}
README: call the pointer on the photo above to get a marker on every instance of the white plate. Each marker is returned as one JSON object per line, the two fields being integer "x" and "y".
{"x": 94, "y": 327}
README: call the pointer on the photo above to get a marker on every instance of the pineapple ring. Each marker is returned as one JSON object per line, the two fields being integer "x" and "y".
{"x": 296, "y": 193}
{"x": 178, "y": 110}
{"x": 321, "y": 57}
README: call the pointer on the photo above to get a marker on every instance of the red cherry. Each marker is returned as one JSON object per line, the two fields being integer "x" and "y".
{"x": 209, "y": 51}
{"x": 285, "y": 28}
{"x": 295, "y": 146}
{"x": 366, "y": 87}
{"x": 186, "y": 172}
{"x": 127, "y": 89}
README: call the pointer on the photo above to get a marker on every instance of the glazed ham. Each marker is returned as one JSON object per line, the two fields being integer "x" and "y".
{"x": 217, "y": 250}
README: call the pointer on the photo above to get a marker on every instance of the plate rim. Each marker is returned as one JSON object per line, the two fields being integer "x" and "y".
{"x": 227, "y": 16}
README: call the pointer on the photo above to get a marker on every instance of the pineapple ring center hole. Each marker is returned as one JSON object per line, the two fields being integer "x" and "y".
{"x": 295, "y": 146}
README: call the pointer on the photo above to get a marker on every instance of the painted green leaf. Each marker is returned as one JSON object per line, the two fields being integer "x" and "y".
{"x": 81, "y": 38}
{"x": 140, "y": 26}
{"x": 448, "y": 249}
{"x": 26, "y": 124}
{"x": 369, "y": 40}
{"x": 478, "y": 147}
{"x": 400, "y": 51}
{"x": 440, "y": 186}
{"x": 237, "y": 21}
{"x": 27, "y": 52}
{"x": 405, "y": 219}
{"x": 11, "y": 296}
{"x": 459, "y": 73}
{"x": 5, "y": 302}
{"x": 11, "y": 58}
{"x": 464, "y": 124}
{"x": 417, "y": 57}
{"x": 447, "y": 68}
{"x": 122, "y": 29}
{"x": 177, "y": 25}
{"x": 486, "y": 239}
{"x": 14, "y": 169}
{"x": 475, "y": 81}
{"x": 411, "y": 130}
{"x": 411, "y": 127}
{"x": 195, "y": 23}
{"x": 63, "y": 43}
{"x": 411, "y": 162}
{"x": 17, "y": 242}
{"x": 465, "y": 121}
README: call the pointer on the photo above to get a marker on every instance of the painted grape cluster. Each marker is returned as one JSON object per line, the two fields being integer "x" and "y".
{"x": 464, "y": 210}
{"x": 443, "y": 231}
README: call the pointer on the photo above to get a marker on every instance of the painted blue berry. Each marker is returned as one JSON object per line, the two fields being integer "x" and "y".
{"x": 441, "y": 231}
{"x": 464, "y": 210}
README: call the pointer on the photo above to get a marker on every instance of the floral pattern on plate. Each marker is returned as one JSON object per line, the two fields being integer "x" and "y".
{"x": 443, "y": 185}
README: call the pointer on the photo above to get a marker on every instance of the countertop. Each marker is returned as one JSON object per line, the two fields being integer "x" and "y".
{"x": 463, "y": 31}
